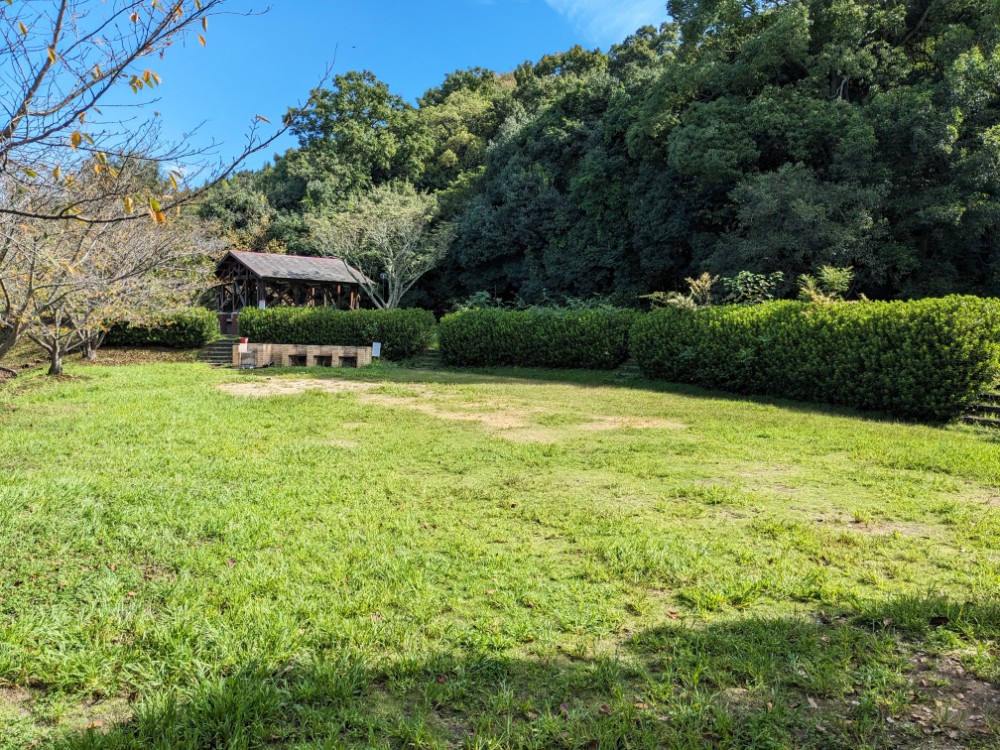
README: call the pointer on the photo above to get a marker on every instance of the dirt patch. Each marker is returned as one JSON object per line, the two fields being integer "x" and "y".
{"x": 493, "y": 420}
{"x": 602, "y": 424}
{"x": 15, "y": 700}
{"x": 347, "y": 444}
{"x": 292, "y": 387}
{"x": 496, "y": 416}
{"x": 952, "y": 701}
{"x": 100, "y": 716}
{"x": 513, "y": 423}
{"x": 887, "y": 528}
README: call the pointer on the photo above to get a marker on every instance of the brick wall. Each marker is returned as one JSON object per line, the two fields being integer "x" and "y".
{"x": 296, "y": 355}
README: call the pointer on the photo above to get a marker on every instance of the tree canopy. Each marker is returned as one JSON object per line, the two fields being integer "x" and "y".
{"x": 778, "y": 135}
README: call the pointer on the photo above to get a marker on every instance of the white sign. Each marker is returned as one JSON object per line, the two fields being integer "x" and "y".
{"x": 377, "y": 349}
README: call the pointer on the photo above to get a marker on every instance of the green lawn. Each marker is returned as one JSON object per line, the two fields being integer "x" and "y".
{"x": 195, "y": 558}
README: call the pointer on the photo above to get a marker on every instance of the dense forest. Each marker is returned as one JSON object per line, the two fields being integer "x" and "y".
{"x": 766, "y": 135}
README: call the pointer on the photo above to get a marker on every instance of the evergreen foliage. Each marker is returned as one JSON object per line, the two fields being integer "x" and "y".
{"x": 184, "y": 329}
{"x": 591, "y": 338}
{"x": 925, "y": 359}
{"x": 761, "y": 136}
{"x": 402, "y": 333}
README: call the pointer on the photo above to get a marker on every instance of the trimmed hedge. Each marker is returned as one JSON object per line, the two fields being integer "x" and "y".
{"x": 184, "y": 329}
{"x": 925, "y": 359}
{"x": 595, "y": 339}
{"x": 403, "y": 333}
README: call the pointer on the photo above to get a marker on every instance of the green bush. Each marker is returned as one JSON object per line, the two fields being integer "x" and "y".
{"x": 403, "y": 333}
{"x": 184, "y": 329}
{"x": 926, "y": 359}
{"x": 594, "y": 338}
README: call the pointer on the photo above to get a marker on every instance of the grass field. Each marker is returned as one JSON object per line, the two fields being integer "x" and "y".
{"x": 195, "y": 558}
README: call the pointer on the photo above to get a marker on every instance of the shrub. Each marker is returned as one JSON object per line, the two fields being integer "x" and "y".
{"x": 184, "y": 329}
{"x": 922, "y": 359}
{"x": 595, "y": 338}
{"x": 403, "y": 333}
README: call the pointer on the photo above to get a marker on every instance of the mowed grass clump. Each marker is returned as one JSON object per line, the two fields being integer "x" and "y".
{"x": 389, "y": 558}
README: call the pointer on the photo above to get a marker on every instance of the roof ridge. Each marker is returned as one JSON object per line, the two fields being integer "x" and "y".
{"x": 290, "y": 255}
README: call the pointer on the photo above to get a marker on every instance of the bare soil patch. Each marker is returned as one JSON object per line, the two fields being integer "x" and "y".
{"x": 268, "y": 387}
{"x": 951, "y": 701}
{"x": 602, "y": 424}
{"x": 509, "y": 419}
{"x": 887, "y": 528}
{"x": 496, "y": 416}
{"x": 15, "y": 699}
{"x": 347, "y": 444}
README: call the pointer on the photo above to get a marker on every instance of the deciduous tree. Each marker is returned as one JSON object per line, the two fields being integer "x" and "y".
{"x": 390, "y": 236}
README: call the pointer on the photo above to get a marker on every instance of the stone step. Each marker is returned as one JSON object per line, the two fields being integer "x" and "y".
{"x": 982, "y": 421}
{"x": 429, "y": 360}
{"x": 629, "y": 369}
{"x": 218, "y": 352}
{"x": 986, "y": 410}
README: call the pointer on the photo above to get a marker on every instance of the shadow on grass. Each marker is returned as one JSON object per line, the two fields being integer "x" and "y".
{"x": 853, "y": 681}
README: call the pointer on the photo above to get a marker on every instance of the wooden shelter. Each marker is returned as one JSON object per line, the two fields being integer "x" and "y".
{"x": 268, "y": 279}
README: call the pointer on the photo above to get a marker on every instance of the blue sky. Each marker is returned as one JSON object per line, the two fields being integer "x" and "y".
{"x": 264, "y": 64}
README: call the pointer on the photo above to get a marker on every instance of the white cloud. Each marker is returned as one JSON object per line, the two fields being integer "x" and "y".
{"x": 609, "y": 21}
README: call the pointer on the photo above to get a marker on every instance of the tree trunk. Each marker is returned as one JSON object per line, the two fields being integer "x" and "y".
{"x": 90, "y": 353}
{"x": 55, "y": 361}
{"x": 8, "y": 338}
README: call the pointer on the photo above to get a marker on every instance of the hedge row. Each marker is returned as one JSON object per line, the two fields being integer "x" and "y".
{"x": 595, "y": 338}
{"x": 926, "y": 359}
{"x": 403, "y": 333}
{"x": 184, "y": 329}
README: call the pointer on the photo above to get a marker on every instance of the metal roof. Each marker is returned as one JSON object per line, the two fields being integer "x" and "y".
{"x": 298, "y": 267}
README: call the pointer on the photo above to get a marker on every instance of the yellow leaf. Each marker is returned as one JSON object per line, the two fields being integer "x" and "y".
{"x": 22, "y": 28}
{"x": 30, "y": 172}
{"x": 129, "y": 204}
{"x": 134, "y": 18}
{"x": 52, "y": 54}
{"x": 57, "y": 172}
{"x": 75, "y": 140}
{"x": 201, "y": 40}
{"x": 173, "y": 180}
{"x": 204, "y": 23}
{"x": 263, "y": 119}
{"x": 155, "y": 204}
